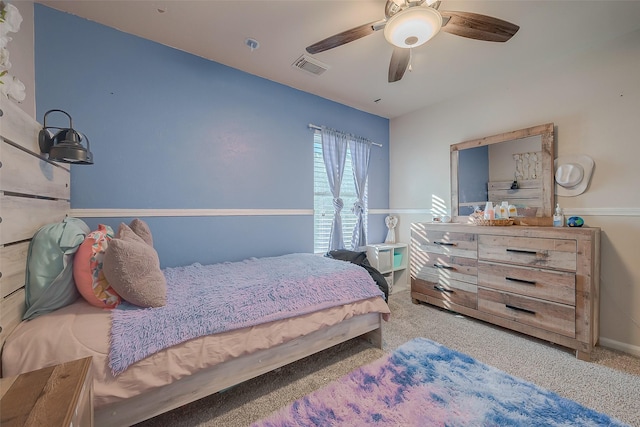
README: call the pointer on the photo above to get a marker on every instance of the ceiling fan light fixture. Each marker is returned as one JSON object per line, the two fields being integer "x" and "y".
{"x": 413, "y": 27}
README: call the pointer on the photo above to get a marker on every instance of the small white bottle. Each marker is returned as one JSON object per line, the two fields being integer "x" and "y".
{"x": 488, "y": 211}
{"x": 558, "y": 218}
{"x": 504, "y": 210}
{"x": 513, "y": 212}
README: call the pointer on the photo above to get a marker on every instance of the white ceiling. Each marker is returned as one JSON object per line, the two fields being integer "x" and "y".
{"x": 446, "y": 66}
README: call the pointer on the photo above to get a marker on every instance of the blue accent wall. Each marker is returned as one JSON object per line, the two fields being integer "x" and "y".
{"x": 473, "y": 177}
{"x": 170, "y": 130}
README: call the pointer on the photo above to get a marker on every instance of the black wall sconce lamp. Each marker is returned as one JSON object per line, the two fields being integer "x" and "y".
{"x": 64, "y": 144}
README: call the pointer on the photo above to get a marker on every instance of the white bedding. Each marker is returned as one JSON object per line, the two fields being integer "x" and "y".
{"x": 81, "y": 330}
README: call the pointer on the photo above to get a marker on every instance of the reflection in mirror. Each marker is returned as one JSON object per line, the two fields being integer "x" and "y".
{"x": 508, "y": 171}
{"x": 515, "y": 167}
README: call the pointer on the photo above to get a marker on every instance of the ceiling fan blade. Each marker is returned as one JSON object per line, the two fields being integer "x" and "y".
{"x": 479, "y": 27}
{"x": 345, "y": 37}
{"x": 399, "y": 63}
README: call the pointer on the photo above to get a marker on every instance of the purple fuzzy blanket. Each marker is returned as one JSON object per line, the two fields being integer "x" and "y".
{"x": 208, "y": 299}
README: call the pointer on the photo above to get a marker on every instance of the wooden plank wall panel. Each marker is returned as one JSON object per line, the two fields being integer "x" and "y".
{"x": 22, "y": 216}
{"x": 18, "y": 127}
{"x": 13, "y": 267}
{"x": 522, "y": 184}
{"x": 33, "y": 192}
{"x": 528, "y": 198}
{"x": 528, "y": 194}
{"x": 27, "y": 174}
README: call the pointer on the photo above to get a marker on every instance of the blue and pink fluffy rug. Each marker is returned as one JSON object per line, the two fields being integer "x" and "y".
{"x": 423, "y": 384}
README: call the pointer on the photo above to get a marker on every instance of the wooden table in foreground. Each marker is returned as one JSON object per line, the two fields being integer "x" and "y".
{"x": 56, "y": 396}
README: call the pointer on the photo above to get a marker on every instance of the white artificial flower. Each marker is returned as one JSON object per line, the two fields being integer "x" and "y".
{"x": 4, "y": 59}
{"x": 10, "y": 86}
{"x": 13, "y": 88}
{"x": 5, "y": 86}
{"x": 12, "y": 20}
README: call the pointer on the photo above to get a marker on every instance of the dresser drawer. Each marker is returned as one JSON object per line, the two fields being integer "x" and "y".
{"x": 451, "y": 291}
{"x": 437, "y": 268}
{"x": 550, "y": 316}
{"x": 535, "y": 252}
{"x": 550, "y": 285}
{"x": 445, "y": 242}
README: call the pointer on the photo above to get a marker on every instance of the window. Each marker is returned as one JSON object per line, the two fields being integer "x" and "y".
{"x": 323, "y": 201}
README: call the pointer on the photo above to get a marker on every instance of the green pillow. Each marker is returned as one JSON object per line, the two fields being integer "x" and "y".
{"x": 49, "y": 283}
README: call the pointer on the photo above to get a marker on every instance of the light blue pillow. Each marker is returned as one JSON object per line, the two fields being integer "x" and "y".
{"x": 49, "y": 281}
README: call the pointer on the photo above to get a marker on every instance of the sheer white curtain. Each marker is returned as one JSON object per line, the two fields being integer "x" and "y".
{"x": 360, "y": 154}
{"x": 334, "y": 152}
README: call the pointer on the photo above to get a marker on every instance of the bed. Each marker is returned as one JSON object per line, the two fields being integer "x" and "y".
{"x": 36, "y": 192}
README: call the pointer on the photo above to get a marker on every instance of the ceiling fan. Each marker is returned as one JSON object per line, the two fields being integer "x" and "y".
{"x": 411, "y": 23}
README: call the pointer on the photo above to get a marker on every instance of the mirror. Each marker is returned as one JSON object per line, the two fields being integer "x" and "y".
{"x": 516, "y": 167}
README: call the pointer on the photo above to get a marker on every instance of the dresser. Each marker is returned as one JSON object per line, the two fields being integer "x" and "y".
{"x": 540, "y": 281}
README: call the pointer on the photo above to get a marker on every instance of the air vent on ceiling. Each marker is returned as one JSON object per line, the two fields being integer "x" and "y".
{"x": 310, "y": 65}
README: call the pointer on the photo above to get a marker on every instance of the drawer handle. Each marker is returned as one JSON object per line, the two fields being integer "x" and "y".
{"x": 441, "y": 289}
{"x": 522, "y": 251}
{"x": 524, "y": 310}
{"x": 513, "y": 279}
{"x": 446, "y": 267}
{"x": 445, "y": 243}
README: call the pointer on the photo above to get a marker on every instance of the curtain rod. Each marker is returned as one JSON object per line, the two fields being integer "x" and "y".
{"x": 316, "y": 127}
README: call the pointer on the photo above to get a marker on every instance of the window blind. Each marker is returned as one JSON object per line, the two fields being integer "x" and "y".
{"x": 323, "y": 201}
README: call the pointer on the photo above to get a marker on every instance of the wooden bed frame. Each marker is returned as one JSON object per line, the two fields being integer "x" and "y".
{"x": 35, "y": 192}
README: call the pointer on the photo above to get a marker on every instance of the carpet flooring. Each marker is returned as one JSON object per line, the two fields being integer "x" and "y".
{"x": 609, "y": 384}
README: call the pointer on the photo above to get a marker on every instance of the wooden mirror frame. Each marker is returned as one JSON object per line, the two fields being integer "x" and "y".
{"x": 546, "y": 132}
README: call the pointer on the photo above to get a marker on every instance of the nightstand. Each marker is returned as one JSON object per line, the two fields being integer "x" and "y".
{"x": 57, "y": 396}
{"x": 391, "y": 260}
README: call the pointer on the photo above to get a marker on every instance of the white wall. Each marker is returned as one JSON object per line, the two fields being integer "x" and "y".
{"x": 593, "y": 98}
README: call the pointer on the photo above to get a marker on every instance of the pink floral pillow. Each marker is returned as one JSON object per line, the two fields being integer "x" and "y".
{"x": 88, "y": 273}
